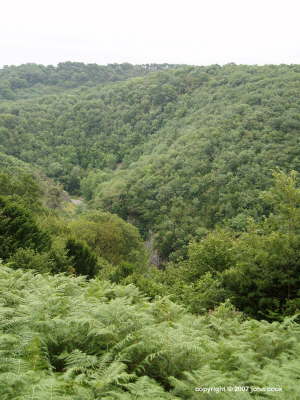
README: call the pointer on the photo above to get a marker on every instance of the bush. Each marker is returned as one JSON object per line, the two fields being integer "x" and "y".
{"x": 82, "y": 258}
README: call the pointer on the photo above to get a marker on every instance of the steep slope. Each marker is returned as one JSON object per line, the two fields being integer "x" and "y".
{"x": 175, "y": 152}
{"x": 209, "y": 164}
{"x": 89, "y": 128}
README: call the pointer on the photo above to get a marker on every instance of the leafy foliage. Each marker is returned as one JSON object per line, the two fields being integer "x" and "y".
{"x": 83, "y": 259}
{"x": 175, "y": 152}
{"x": 31, "y": 79}
{"x": 18, "y": 230}
{"x": 257, "y": 268}
{"x": 64, "y": 338}
{"x": 185, "y": 154}
{"x": 266, "y": 277}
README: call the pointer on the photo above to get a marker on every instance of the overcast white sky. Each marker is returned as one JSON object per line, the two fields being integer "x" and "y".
{"x": 139, "y": 31}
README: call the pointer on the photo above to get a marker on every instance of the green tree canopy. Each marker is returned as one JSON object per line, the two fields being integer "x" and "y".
{"x": 19, "y": 230}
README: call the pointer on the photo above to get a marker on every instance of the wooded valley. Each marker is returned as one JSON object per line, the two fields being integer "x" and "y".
{"x": 178, "y": 266}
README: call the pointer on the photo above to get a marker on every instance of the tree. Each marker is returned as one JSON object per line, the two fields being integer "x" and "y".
{"x": 213, "y": 254}
{"x": 82, "y": 257}
{"x": 265, "y": 280}
{"x": 110, "y": 237}
{"x": 19, "y": 230}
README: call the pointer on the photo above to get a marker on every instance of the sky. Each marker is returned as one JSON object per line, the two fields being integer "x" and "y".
{"x": 198, "y": 32}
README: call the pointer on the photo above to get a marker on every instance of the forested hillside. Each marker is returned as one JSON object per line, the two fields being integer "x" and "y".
{"x": 29, "y": 80}
{"x": 149, "y": 232}
{"x": 175, "y": 152}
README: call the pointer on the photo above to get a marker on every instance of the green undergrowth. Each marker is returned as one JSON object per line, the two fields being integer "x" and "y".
{"x": 65, "y": 338}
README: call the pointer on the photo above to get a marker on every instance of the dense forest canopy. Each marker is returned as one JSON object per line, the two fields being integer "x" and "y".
{"x": 149, "y": 231}
{"x": 27, "y": 80}
{"x": 175, "y": 152}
